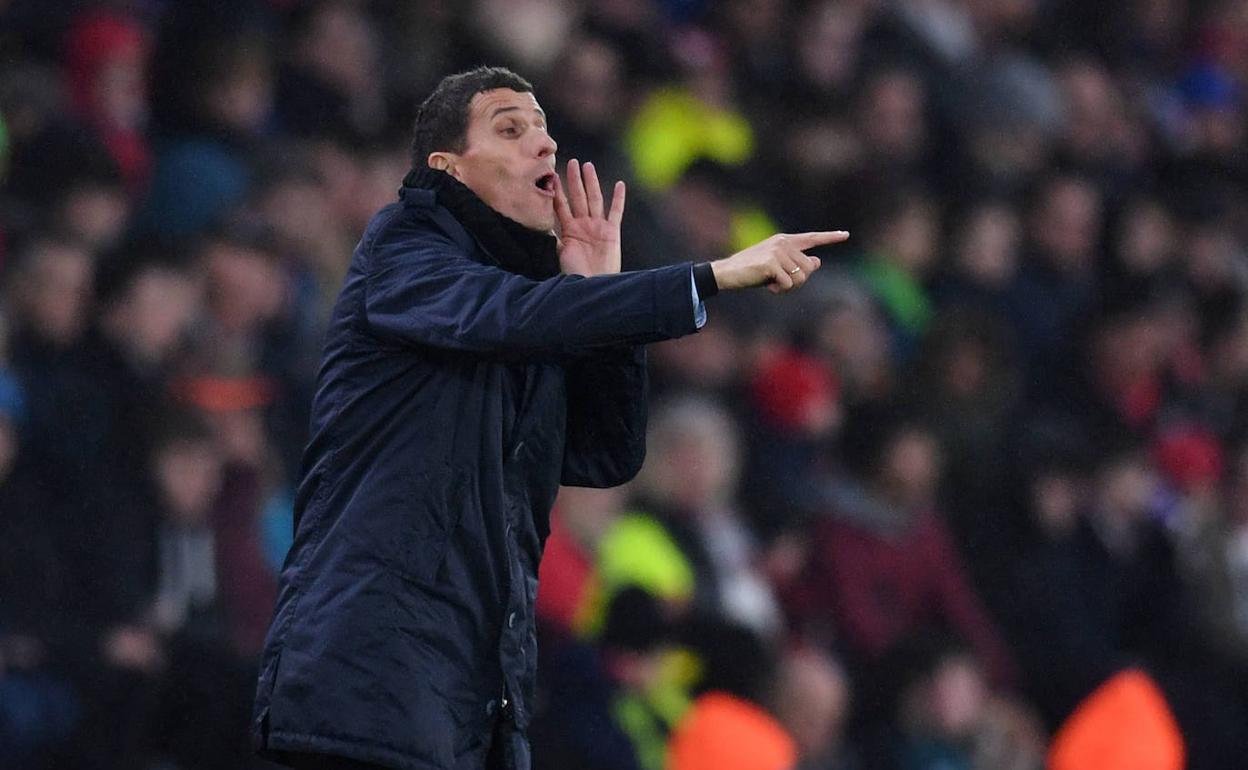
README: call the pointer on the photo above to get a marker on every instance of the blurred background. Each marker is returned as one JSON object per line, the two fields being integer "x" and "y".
{"x": 976, "y": 496}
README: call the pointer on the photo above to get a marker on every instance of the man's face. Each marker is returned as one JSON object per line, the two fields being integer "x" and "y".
{"x": 156, "y": 312}
{"x": 509, "y": 159}
{"x": 189, "y": 474}
{"x": 56, "y": 293}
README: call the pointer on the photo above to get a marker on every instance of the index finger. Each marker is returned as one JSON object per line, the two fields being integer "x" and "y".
{"x": 810, "y": 240}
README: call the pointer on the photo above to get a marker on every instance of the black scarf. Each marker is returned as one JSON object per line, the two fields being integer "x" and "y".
{"x": 515, "y": 247}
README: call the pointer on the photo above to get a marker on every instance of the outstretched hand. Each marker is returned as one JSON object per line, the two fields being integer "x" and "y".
{"x": 589, "y": 242}
{"x": 779, "y": 263}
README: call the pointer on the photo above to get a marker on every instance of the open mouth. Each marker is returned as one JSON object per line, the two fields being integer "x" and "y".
{"x": 546, "y": 183}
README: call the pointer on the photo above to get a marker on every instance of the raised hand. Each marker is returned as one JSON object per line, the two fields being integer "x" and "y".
{"x": 778, "y": 262}
{"x": 589, "y": 243}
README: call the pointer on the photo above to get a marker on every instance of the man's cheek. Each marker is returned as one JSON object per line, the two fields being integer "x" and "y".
{"x": 502, "y": 176}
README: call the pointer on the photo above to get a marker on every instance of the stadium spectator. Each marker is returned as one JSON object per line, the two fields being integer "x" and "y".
{"x": 332, "y": 77}
{"x": 883, "y": 565}
{"x": 812, "y": 701}
{"x": 106, "y": 68}
{"x": 688, "y": 544}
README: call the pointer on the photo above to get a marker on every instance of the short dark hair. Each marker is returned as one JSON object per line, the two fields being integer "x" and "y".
{"x": 120, "y": 269}
{"x": 442, "y": 119}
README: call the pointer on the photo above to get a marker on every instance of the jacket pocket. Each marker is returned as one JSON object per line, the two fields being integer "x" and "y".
{"x": 437, "y": 505}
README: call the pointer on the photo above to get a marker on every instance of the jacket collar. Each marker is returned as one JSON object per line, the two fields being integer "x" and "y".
{"x": 513, "y": 246}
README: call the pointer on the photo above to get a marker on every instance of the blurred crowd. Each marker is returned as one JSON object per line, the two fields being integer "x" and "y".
{"x": 975, "y": 496}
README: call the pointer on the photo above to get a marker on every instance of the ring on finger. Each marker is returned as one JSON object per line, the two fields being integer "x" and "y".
{"x": 795, "y": 271}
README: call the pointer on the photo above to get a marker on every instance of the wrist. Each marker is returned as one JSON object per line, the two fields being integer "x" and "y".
{"x": 720, "y": 271}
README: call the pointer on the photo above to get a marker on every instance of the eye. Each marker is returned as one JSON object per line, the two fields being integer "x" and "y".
{"x": 510, "y": 130}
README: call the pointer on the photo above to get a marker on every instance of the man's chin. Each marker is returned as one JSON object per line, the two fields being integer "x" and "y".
{"x": 539, "y": 222}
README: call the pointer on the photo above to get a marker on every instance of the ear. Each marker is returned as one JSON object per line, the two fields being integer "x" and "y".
{"x": 443, "y": 161}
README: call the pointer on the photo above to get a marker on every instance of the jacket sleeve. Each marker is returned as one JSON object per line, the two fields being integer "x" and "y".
{"x": 421, "y": 288}
{"x": 606, "y": 426}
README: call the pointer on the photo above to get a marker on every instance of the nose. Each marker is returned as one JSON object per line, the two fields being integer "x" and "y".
{"x": 547, "y": 145}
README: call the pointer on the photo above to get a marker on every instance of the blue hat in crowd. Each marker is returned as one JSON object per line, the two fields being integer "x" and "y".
{"x": 1210, "y": 87}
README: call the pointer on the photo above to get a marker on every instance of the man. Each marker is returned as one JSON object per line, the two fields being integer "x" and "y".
{"x": 474, "y": 362}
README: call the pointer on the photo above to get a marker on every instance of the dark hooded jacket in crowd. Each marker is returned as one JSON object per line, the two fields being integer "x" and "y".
{"x": 463, "y": 380}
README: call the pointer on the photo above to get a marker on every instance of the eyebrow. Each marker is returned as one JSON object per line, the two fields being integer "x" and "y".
{"x": 501, "y": 110}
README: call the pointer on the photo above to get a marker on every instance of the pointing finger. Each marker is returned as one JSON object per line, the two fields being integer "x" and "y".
{"x": 810, "y": 240}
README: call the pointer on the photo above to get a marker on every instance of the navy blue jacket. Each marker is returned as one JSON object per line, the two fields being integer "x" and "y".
{"x": 453, "y": 399}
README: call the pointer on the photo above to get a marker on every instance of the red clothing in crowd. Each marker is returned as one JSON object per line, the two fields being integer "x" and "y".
{"x": 563, "y": 576}
{"x": 882, "y": 587}
{"x": 100, "y": 46}
{"x": 247, "y": 586}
